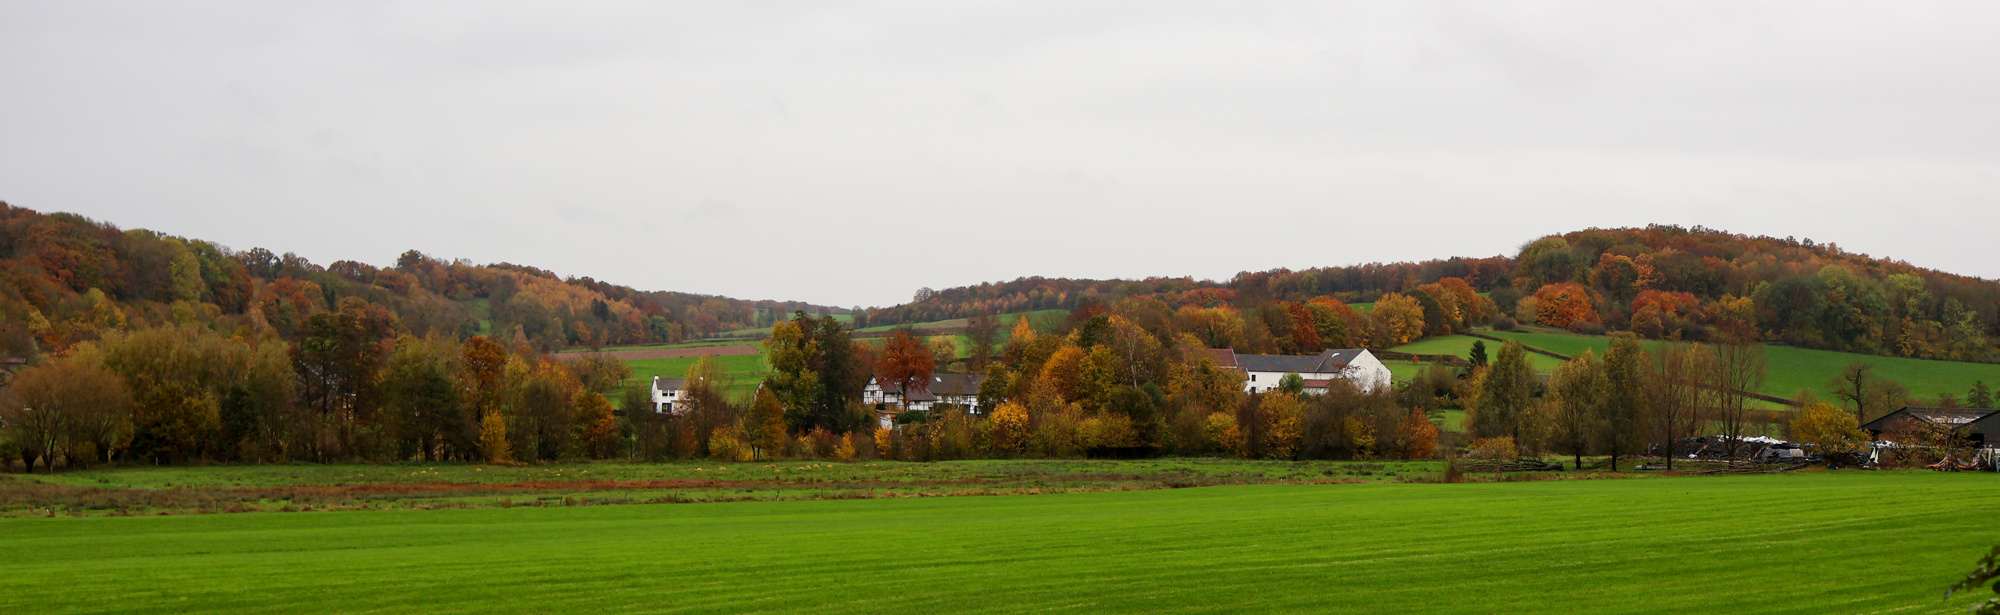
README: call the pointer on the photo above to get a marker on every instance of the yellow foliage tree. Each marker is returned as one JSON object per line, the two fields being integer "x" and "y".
{"x": 1010, "y": 429}
{"x": 493, "y": 438}
{"x": 1398, "y": 319}
{"x": 1830, "y": 428}
{"x": 885, "y": 442}
{"x": 727, "y": 444}
{"x": 764, "y": 425}
{"x": 1064, "y": 372}
{"x": 845, "y": 451}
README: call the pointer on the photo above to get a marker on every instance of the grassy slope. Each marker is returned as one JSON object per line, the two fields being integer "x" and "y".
{"x": 747, "y": 370}
{"x": 481, "y": 310}
{"x": 1793, "y": 369}
{"x": 1621, "y": 546}
{"x": 1006, "y": 321}
{"x": 1461, "y": 345}
{"x": 680, "y": 345}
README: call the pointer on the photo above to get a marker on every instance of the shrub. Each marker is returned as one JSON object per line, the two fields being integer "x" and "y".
{"x": 1109, "y": 431}
{"x": 1419, "y": 436}
{"x": 1494, "y": 448}
{"x": 1010, "y": 429}
{"x": 820, "y": 443}
{"x": 885, "y": 442}
{"x": 1055, "y": 434}
{"x": 950, "y": 436}
{"x": 727, "y": 444}
{"x": 1503, "y": 323}
{"x": 845, "y": 451}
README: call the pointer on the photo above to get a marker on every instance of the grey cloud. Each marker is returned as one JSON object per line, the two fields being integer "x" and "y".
{"x": 953, "y": 143}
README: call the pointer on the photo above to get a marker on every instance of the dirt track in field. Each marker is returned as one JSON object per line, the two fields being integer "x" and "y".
{"x": 667, "y": 353}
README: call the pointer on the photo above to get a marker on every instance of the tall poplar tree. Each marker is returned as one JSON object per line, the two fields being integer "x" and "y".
{"x": 1505, "y": 393}
{"x": 1623, "y": 401}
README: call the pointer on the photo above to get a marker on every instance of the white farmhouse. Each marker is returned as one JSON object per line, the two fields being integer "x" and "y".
{"x": 1263, "y": 371}
{"x": 667, "y": 392}
{"x": 961, "y": 390}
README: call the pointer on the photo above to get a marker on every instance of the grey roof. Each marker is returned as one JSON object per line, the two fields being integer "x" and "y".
{"x": 956, "y": 384}
{"x": 669, "y": 384}
{"x": 1324, "y": 362}
{"x": 1952, "y": 418}
{"x": 939, "y": 384}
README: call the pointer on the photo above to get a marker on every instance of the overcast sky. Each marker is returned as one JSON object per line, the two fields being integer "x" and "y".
{"x": 850, "y": 153}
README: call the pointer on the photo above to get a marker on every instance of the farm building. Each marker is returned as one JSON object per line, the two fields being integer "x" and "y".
{"x": 666, "y": 393}
{"x": 961, "y": 390}
{"x": 1980, "y": 425}
{"x": 1263, "y": 371}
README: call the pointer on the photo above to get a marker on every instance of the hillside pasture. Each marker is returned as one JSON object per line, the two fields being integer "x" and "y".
{"x": 638, "y": 354}
{"x": 705, "y": 344}
{"x": 1800, "y": 543}
{"x": 956, "y": 324}
{"x": 1461, "y": 346}
{"x": 744, "y": 370}
{"x": 1794, "y": 369}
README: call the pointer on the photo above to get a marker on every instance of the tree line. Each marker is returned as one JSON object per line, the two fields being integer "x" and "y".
{"x": 1658, "y": 282}
{"x": 1130, "y": 377}
{"x": 65, "y": 279}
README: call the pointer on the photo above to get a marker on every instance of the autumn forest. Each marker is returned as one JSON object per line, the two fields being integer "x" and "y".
{"x": 134, "y": 346}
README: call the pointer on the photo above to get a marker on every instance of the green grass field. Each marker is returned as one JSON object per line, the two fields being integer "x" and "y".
{"x": 270, "y": 488}
{"x": 1006, "y": 321}
{"x": 1794, "y": 369}
{"x": 1461, "y": 346}
{"x": 481, "y": 311}
{"x": 1849, "y": 542}
{"x": 1451, "y": 420}
{"x": 747, "y": 370}
{"x": 667, "y": 346}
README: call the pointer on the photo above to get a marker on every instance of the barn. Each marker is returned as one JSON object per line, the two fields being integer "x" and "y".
{"x": 1980, "y": 425}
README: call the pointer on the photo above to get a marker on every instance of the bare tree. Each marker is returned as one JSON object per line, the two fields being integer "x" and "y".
{"x": 1739, "y": 370}
{"x": 982, "y": 331}
{"x": 1680, "y": 402}
{"x": 1852, "y": 387}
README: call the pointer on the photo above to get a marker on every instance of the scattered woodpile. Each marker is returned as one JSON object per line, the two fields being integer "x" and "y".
{"x": 1718, "y": 468}
{"x": 1511, "y": 465}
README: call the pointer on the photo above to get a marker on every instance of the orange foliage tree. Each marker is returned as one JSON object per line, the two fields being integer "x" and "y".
{"x": 1418, "y": 436}
{"x": 1657, "y": 314}
{"x": 906, "y": 362}
{"x": 1561, "y": 305}
{"x": 1399, "y": 320}
{"x": 1305, "y": 328}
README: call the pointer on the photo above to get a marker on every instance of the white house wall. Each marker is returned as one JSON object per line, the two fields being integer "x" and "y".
{"x": 1256, "y": 382}
{"x": 1365, "y": 371}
